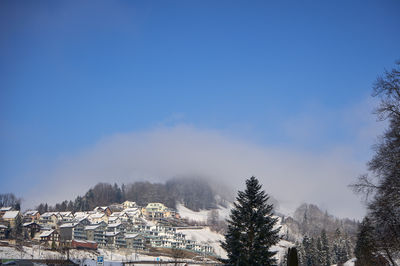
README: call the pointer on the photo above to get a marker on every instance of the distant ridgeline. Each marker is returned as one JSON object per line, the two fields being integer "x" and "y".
{"x": 195, "y": 194}
{"x": 310, "y": 220}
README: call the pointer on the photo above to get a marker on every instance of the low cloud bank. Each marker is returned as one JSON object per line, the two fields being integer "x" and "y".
{"x": 291, "y": 176}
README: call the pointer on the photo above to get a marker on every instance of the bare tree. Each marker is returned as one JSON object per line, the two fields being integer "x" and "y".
{"x": 382, "y": 185}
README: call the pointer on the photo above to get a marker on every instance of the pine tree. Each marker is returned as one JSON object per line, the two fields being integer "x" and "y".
{"x": 325, "y": 248}
{"x": 341, "y": 247}
{"x": 365, "y": 247}
{"x": 292, "y": 259}
{"x": 301, "y": 253}
{"x": 251, "y": 231}
{"x": 320, "y": 252}
{"x": 310, "y": 251}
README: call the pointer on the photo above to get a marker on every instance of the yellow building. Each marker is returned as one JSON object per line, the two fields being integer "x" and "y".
{"x": 156, "y": 210}
{"x": 128, "y": 204}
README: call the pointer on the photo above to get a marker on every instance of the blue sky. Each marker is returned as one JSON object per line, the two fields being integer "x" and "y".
{"x": 276, "y": 74}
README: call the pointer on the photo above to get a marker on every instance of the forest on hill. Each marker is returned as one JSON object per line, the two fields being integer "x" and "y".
{"x": 194, "y": 193}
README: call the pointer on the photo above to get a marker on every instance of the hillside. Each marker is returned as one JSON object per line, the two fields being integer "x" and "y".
{"x": 194, "y": 193}
{"x": 310, "y": 220}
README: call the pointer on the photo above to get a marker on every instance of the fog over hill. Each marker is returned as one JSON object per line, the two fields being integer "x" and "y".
{"x": 194, "y": 193}
{"x": 291, "y": 176}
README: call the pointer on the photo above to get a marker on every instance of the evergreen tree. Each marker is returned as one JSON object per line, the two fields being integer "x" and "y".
{"x": 320, "y": 252}
{"x": 325, "y": 248}
{"x": 301, "y": 253}
{"x": 310, "y": 253}
{"x": 366, "y": 249}
{"x": 70, "y": 206}
{"x": 251, "y": 232}
{"x": 292, "y": 259}
{"x": 341, "y": 247}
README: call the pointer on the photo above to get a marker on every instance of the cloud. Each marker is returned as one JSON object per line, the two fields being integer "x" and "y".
{"x": 291, "y": 176}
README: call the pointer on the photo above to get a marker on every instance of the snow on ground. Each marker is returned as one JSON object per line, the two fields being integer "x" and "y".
{"x": 350, "y": 262}
{"x": 206, "y": 236}
{"x": 201, "y": 216}
{"x": 111, "y": 257}
{"x": 28, "y": 253}
{"x": 281, "y": 248}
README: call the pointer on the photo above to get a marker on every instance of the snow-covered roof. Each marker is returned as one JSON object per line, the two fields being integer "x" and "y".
{"x": 81, "y": 216}
{"x": 128, "y": 210}
{"x": 114, "y": 225}
{"x": 28, "y": 224}
{"x": 116, "y": 214}
{"x": 92, "y": 227}
{"x": 112, "y": 233}
{"x": 128, "y": 202}
{"x": 96, "y": 215}
{"x": 4, "y": 209}
{"x": 101, "y": 208}
{"x": 31, "y": 213}
{"x": 48, "y": 214}
{"x": 85, "y": 241}
{"x": 131, "y": 235}
{"x": 10, "y": 214}
{"x": 80, "y": 219}
{"x": 81, "y": 213}
{"x": 113, "y": 219}
{"x": 67, "y": 225}
{"x": 3, "y": 226}
{"x": 46, "y": 233}
{"x": 65, "y": 213}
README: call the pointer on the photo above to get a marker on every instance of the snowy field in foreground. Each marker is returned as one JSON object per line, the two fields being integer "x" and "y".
{"x": 113, "y": 258}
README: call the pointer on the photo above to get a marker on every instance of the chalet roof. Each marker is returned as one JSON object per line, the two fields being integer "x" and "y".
{"x": 131, "y": 235}
{"x": 4, "y": 209}
{"x": 115, "y": 214}
{"x": 10, "y": 214}
{"x": 81, "y": 219}
{"x": 31, "y": 213}
{"x": 65, "y": 213}
{"x": 127, "y": 202}
{"x": 81, "y": 215}
{"x": 46, "y": 233}
{"x": 131, "y": 209}
{"x": 92, "y": 227}
{"x": 114, "y": 225}
{"x": 113, "y": 219}
{"x": 68, "y": 225}
{"x": 97, "y": 215}
{"x": 85, "y": 241}
{"x": 112, "y": 233}
{"x": 49, "y": 214}
{"x": 28, "y": 224}
{"x": 101, "y": 208}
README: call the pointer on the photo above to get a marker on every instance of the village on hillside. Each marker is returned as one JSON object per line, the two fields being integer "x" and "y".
{"x": 124, "y": 226}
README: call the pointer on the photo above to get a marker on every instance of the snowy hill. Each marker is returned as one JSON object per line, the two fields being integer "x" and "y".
{"x": 201, "y": 216}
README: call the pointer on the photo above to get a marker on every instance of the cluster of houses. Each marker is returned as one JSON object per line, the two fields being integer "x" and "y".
{"x": 119, "y": 226}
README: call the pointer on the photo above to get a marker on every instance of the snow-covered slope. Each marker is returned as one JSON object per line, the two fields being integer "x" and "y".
{"x": 348, "y": 263}
{"x": 205, "y": 235}
{"x": 201, "y": 216}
